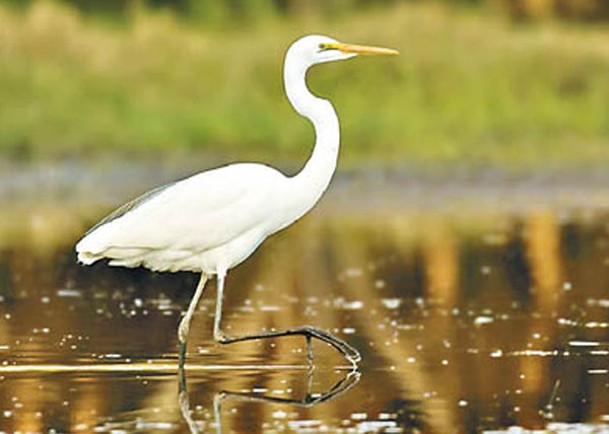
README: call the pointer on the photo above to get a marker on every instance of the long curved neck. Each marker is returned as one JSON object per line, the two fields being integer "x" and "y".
{"x": 315, "y": 177}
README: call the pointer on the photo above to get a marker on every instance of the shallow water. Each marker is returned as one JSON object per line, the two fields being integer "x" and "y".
{"x": 466, "y": 322}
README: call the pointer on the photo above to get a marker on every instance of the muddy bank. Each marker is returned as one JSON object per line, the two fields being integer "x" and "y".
{"x": 363, "y": 189}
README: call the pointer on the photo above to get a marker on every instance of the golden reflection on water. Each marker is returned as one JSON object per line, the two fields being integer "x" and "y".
{"x": 465, "y": 323}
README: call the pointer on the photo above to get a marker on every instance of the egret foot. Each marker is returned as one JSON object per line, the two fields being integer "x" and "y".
{"x": 309, "y": 332}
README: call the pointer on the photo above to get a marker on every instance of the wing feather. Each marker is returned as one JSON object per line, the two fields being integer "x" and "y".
{"x": 193, "y": 215}
{"x": 130, "y": 206}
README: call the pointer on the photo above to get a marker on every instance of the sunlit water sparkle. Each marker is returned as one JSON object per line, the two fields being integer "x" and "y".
{"x": 475, "y": 323}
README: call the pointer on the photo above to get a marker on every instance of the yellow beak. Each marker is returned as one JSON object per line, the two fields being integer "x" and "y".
{"x": 363, "y": 49}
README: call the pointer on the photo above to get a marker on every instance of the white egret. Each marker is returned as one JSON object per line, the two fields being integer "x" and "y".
{"x": 212, "y": 221}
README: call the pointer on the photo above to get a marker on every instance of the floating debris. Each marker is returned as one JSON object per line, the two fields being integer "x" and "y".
{"x": 111, "y": 356}
{"x": 391, "y": 303}
{"x": 373, "y": 426}
{"x": 147, "y": 426}
{"x": 303, "y": 424}
{"x": 596, "y": 325}
{"x": 556, "y": 428}
{"x": 584, "y": 344}
{"x": 602, "y": 302}
{"x": 351, "y": 305}
{"x": 482, "y": 320}
{"x": 69, "y": 293}
{"x": 259, "y": 390}
{"x": 566, "y": 322}
{"x": 496, "y": 354}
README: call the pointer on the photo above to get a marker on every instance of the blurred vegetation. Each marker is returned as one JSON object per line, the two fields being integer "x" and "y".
{"x": 582, "y": 10}
{"x": 86, "y": 78}
{"x": 222, "y": 12}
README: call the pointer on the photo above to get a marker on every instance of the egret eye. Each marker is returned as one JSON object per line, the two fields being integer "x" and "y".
{"x": 324, "y": 46}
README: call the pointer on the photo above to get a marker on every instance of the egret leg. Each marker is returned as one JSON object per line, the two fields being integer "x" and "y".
{"x": 309, "y": 332}
{"x": 309, "y": 352}
{"x": 184, "y": 326}
{"x": 310, "y": 399}
{"x": 184, "y": 403}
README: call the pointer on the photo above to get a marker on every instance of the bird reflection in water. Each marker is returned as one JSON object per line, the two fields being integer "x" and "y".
{"x": 309, "y": 400}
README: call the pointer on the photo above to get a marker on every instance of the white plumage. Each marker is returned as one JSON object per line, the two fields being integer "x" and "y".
{"x": 197, "y": 224}
{"x": 212, "y": 221}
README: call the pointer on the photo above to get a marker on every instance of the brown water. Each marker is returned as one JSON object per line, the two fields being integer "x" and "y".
{"x": 466, "y": 322}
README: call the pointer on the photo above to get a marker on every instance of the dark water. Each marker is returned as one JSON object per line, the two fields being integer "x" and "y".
{"x": 466, "y": 323}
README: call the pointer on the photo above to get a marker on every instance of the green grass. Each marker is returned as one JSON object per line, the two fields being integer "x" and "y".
{"x": 469, "y": 87}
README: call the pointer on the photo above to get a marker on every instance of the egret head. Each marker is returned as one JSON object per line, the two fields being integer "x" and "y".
{"x": 315, "y": 49}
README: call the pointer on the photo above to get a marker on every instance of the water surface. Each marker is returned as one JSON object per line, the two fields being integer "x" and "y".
{"x": 469, "y": 319}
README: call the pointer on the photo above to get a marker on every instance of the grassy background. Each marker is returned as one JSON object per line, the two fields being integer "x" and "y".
{"x": 469, "y": 88}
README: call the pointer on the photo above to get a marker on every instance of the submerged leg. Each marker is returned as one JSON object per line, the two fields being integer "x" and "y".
{"x": 309, "y": 332}
{"x": 184, "y": 402}
{"x": 310, "y": 399}
{"x": 185, "y": 322}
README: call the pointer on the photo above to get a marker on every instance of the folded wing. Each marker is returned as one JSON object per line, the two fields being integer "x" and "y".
{"x": 190, "y": 216}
